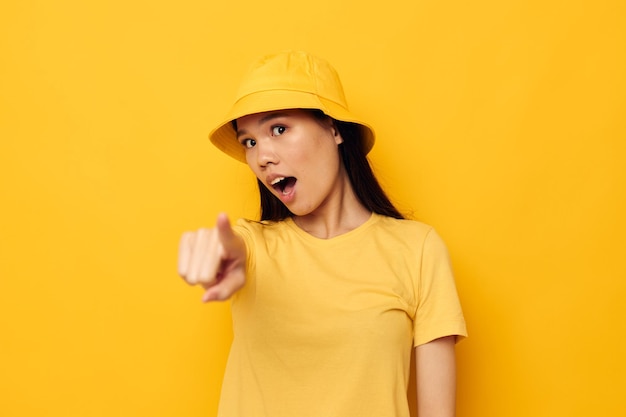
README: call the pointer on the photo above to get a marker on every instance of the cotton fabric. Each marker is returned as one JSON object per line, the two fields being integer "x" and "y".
{"x": 325, "y": 327}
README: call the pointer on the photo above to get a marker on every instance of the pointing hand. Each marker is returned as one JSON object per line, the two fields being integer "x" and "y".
{"x": 214, "y": 258}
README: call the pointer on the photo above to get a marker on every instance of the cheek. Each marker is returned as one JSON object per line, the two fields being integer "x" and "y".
{"x": 251, "y": 161}
{"x": 256, "y": 173}
{"x": 323, "y": 148}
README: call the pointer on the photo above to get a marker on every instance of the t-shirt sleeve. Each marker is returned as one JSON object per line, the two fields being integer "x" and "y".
{"x": 439, "y": 310}
{"x": 246, "y": 230}
{"x": 243, "y": 228}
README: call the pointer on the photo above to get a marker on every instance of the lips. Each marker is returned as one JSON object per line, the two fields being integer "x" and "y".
{"x": 283, "y": 185}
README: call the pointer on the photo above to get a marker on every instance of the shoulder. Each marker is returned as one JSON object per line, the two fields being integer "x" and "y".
{"x": 254, "y": 229}
{"x": 416, "y": 234}
{"x": 406, "y": 228}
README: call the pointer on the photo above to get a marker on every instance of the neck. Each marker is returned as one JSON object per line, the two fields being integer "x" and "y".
{"x": 341, "y": 214}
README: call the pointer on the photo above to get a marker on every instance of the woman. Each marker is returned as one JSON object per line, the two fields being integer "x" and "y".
{"x": 333, "y": 289}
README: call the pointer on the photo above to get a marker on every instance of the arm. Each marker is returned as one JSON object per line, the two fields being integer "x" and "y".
{"x": 435, "y": 367}
{"x": 214, "y": 258}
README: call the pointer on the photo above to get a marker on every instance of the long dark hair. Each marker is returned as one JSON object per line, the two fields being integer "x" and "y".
{"x": 354, "y": 158}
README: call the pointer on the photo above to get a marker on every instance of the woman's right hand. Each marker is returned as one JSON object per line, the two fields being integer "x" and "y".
{"x": 214, "y": 258}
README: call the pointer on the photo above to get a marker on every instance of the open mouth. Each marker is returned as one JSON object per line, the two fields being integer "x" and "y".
{"x": 284, "y": 185}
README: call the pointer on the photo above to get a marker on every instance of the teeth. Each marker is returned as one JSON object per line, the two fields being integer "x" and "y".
{"x": 277, "y": 180}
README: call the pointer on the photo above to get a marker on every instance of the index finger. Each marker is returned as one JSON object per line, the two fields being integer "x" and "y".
{"x": 184, "y": 253}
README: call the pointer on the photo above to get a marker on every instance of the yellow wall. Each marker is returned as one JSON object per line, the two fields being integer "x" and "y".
{"x": 502, "y": 123}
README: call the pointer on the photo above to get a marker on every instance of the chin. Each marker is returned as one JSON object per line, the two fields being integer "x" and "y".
{"x": 299, "y": 211}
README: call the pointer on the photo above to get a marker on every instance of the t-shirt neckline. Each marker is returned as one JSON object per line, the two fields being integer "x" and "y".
{"x": 374, "y": 217}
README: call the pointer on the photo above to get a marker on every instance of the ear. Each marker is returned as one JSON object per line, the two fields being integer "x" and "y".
{"x": 336, "y": 134}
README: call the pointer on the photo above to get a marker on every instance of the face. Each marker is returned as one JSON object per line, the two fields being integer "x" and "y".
{"x": 296, "y": 156}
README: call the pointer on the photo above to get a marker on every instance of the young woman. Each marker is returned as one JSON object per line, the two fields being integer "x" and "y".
{"x": 333, "y": 288}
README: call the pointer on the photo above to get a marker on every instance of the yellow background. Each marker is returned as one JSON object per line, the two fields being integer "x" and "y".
{"x": 502, "y": 123}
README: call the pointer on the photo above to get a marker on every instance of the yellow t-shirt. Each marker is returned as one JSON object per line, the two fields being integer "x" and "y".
{"x": 325, "y": 327}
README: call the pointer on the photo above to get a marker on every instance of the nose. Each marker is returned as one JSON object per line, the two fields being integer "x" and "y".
{"x": 265, "y": 153}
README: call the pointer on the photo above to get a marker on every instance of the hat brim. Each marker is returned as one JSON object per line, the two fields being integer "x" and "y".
{"x": 225, "y": 138}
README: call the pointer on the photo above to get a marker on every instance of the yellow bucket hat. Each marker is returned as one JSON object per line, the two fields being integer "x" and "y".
{"x": 287, "y": 80}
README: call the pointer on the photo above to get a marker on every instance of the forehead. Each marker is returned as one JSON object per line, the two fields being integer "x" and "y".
{"x": 259, "y": 118}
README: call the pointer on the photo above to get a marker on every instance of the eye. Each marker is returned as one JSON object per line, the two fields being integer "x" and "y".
{"x": 278, "y": 130}
{"x": 248, "y": 143}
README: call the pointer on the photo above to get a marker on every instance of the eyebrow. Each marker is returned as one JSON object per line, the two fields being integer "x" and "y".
{"x": 262, "y": 120}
